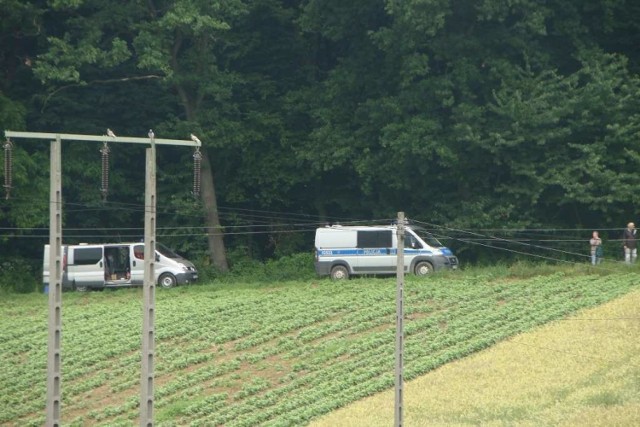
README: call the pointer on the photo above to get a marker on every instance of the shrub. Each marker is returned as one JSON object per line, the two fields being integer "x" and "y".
{"x": 18, "y": 275}
{"x": 293, "y": 267}
{"x": 245, "y": 269}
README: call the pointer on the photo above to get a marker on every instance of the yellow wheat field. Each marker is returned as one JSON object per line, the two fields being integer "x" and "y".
{"x": 582, "y": 371}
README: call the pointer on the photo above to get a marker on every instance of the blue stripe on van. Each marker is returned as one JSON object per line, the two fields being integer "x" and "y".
{"x": 369, "y": 252}
{"x": 337, "y": 252}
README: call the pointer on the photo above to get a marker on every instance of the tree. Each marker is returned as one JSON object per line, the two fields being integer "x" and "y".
{"x": 427, "y": 103}
{"x": 471, "y": 113}
{"x": 27, "y": 207}
{"x": 167, "y": 40}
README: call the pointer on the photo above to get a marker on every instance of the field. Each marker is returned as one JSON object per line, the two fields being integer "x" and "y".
{"x": 281, "y": 354}
{"x": 583, "y": 370}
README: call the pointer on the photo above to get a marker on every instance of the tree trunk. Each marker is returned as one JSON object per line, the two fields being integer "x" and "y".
{"x": 217, "y": 252}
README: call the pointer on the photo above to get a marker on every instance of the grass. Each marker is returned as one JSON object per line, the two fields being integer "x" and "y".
{"x": 583, "y": 370}
{"x": 265, "y": 353}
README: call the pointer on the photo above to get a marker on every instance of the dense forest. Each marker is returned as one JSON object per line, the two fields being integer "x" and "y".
{"x": 463, "y": 114}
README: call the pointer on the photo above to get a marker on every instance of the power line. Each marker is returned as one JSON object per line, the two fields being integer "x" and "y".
{"x": 263, "y": 219}
{"x": 267, "y": 215}
{"x": 499, "y": 239}
{"x": 550, "y": 258}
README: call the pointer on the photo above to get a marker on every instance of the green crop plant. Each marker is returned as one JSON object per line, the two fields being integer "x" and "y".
{"x": 281, "y": 354}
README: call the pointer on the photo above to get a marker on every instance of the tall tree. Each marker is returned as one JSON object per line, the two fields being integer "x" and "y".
{"x": 167, "y": 40}
{"x": 27, "y": 207}
{"x": 475, "y": 113}
{"x": 427, "y": 103}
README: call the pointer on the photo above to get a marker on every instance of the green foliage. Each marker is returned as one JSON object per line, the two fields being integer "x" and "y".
{"x": 246, "y": 269}
{"x": 291, "y": 267}
{"x": 11, "y": 113}
{"x": 18, "y": 275}
{"x": 471, "y": 114}
{"x": 287, "y": 268}
{"x": 28, "y": 207}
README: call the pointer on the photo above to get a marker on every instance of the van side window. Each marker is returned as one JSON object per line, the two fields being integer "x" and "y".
{"x": 138, "y": 251}
{"x": 374, "y": 238}
{"x": 87, "y": 256}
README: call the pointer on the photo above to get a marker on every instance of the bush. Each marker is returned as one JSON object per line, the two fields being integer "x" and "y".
{"x": 245, "y": 269}
{"x": 18, "y": 275}
{"x": 293, "y": 267}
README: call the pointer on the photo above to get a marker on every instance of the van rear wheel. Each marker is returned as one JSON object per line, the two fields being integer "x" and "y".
{"x": 339, "y": 272}
{"x": 423, "y": 268}
{"x": 167, "y": 280}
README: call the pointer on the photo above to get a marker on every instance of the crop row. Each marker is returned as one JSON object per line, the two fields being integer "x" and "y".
{"x": 278, "y": 356}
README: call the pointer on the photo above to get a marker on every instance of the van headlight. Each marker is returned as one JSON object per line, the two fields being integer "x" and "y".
{"x": 183, "y": 267}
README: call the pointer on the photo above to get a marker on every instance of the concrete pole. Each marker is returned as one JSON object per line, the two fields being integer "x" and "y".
{"x": 399, "y": 321}
{"x": 54, "y": 348}
{"x": 55, "y": 266}
{"x": 149, "y": 291}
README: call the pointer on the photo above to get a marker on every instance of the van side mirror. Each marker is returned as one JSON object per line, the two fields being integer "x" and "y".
{"x": 157, "y": 258}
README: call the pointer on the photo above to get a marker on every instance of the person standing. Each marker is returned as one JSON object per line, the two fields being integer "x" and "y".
{"x": 596, "y": 248}
{"x": 629, "y": 243}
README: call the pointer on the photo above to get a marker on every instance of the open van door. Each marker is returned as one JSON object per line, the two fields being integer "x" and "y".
{"x": 117, "y": 265}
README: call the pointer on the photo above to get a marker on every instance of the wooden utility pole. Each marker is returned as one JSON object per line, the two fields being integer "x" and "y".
{"x": 399, "y": 320}
{"x": 54, "y": 361}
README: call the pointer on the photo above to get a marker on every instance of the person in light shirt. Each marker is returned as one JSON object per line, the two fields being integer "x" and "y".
{"x": 596, "y": 248}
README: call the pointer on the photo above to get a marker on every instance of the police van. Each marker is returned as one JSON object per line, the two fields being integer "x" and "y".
{"x": 114, "y": 265}
{"x": 342, "y": 251}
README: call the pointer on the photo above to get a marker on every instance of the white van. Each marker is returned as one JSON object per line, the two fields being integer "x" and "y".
{"x": 113, "y": 265}
{"x": 342, "y": 251}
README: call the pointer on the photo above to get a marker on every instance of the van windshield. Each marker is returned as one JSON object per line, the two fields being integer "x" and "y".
{"x": 428, "y": 238}
{"x": 166, "y": 251}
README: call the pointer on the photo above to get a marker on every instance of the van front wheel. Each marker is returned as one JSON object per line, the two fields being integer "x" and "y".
{"x": 423, "y": 268}
{"x": 167, "y": 280}
{"x": 339, "y": 272}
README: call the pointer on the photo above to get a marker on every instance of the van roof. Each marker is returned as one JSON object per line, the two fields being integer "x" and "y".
{"x": 106, "y": 244}
{"x": 361, "y": 227}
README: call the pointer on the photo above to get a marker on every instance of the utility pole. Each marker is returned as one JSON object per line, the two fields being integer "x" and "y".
{"x": 399, "y": 321}
{"x": 54, "y": 347}
{"x": 54, "y": 361}
{"x": 149, "y": 291}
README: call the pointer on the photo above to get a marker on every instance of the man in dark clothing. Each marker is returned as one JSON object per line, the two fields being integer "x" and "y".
{"x": 629, "y": 243}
